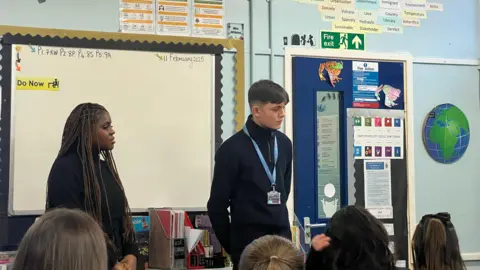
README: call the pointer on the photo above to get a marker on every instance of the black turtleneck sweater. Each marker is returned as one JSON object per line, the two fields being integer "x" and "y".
{"x": 241, "y": 183}
{"x": 66, "y": 190}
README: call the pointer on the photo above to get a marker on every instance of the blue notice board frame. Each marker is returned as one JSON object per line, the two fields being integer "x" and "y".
{"x": 302, "y": 80}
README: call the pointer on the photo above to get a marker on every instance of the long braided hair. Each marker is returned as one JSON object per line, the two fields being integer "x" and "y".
{"x": 78, "y": 135}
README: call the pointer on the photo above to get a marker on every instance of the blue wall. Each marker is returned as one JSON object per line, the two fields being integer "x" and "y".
{"x": 452, "y": 34}
{"x": 449, "y": 34}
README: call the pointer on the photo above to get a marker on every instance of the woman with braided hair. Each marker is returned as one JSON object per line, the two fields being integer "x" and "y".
{"x": 84, "y": 176}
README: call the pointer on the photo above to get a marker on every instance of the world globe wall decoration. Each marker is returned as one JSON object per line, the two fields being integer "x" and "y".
{"x": 446, "y": 133}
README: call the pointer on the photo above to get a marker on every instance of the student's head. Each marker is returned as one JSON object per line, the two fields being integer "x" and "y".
{"x": 435, "y": 244}
{"x": 271, "y": 253}
{"x": 88, "y": 132}
{"x": 358, "y": 241}
{"x": 89, "y": 127}
{"x": 267, "y": 102}
{"x": 63, "y": 240}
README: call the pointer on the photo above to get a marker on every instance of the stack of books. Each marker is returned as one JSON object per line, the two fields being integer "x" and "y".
{"x": 176, "y": 243}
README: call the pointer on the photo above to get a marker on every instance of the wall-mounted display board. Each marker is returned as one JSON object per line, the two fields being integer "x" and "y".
{"x": 380, "y": 181}
{"x": 46, "y": 73}
{"x": 163, "y": 165}
{"x": 198, "y": 18}
{"x": 354, "y": 153}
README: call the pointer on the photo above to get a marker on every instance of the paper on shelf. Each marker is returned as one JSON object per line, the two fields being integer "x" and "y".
{"x": 193, "y": 237}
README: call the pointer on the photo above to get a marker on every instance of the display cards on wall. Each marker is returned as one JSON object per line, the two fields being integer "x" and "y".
{"x": 137, "y": 16}
{"x": 173, "y": 17}
{"x": 378, "y": 137}
{"x": 208, "y": 18}
{"x": 200, "y": 18}
{"x": 374, "y": 17}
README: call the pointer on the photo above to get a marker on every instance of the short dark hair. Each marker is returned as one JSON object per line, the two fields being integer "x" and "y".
{"x": 267, "y": 91}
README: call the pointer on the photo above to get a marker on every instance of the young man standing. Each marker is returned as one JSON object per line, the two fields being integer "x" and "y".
{"x": 252, "y": 175}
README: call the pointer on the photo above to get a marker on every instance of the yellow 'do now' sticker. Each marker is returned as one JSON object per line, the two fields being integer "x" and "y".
{"x": 42, "y": 84}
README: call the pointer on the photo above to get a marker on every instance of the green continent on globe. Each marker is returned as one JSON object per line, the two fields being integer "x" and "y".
{"x": 446, "y": 136}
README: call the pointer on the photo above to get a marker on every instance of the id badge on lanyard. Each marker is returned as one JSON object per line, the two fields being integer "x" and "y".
{"x": 273, "y": 196}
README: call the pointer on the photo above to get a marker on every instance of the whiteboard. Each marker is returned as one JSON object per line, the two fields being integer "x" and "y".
{"x": 162, "y": 109}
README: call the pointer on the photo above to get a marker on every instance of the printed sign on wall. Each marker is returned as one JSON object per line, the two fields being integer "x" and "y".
{"x": 378, "y": 137}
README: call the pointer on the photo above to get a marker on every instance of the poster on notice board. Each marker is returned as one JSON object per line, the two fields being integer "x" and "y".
{"x": 378, "y": 137}
{"x": 378, "y": 85}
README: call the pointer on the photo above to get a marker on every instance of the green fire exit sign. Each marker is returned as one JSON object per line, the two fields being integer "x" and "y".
{"x": 345, "y": 41}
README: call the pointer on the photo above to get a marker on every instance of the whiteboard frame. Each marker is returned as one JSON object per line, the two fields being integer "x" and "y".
{"x": 213, "y": 142}
{"x": 11, "y": 162}
{"x": 407, "y": 59}
{"x": 215, "y": 122}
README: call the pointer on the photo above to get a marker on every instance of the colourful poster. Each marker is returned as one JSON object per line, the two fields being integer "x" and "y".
{"x": 377, "y": 85}
{"x": 365, "y": 83}
{"x": 378, "y": 137}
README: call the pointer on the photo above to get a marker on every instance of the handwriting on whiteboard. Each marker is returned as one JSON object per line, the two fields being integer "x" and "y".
{"x": 171, "y": 57}
{"x": 74, "y": 53}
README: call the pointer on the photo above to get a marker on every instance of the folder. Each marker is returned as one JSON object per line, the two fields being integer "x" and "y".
{"x": 167, "y": 247}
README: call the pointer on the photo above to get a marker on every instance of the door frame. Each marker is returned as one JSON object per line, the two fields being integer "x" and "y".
{"x": 407, "y": 59}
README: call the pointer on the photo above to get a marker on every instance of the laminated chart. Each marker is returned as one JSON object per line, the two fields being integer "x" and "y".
{"x": 378, "y": 137}
{"x": 137, "y": 16}
{"x": 208, "y": 18}
{"x": 173, "y": 17}
{"x": 198, "y": 18}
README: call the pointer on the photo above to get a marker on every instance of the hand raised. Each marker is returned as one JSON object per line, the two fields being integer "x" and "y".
{"x": 320, "y": 242}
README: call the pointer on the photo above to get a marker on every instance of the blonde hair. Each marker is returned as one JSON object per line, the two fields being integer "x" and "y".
{"x": 434, "y": 247}
{"x": 63, "y": 239}
{"x": 271, "y": 253}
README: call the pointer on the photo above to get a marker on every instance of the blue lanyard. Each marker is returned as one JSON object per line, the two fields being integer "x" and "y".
{"x": 272, "y": 178}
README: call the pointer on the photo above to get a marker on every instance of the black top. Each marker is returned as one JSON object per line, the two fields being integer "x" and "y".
{"x": 315, "y": 260}
{"x": 241, "y": 183}
{"x": 344, "y": 260}
{"x": 66, "y": 189}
